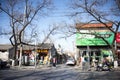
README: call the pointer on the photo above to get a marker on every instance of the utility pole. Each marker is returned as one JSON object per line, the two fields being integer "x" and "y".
{"x": 35, "y": 54}
{"x": 88, "y": 51}
{"x": 35, "y": 49}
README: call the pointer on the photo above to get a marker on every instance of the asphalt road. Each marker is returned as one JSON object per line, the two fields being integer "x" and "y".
{"x": 59, "y": 73}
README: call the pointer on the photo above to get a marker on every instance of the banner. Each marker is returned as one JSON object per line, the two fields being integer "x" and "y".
{"x": 94, "y": 39}
{"x": 117, "y": 38}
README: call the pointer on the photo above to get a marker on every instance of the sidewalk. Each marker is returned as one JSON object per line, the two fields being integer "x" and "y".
{"x": 38, "y": 67}
{"x": 117, "y": 69}
{"x": 31, "y": 67}
{"x": 94, "y": 69}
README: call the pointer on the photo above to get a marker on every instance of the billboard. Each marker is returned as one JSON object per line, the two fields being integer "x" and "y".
{"x": 88, "y": 39}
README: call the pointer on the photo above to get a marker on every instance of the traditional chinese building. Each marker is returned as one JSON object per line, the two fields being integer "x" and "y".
{"x": 93, "y": 41}
{"x": 43, "y": 52}
{"x": 4, "y": 52}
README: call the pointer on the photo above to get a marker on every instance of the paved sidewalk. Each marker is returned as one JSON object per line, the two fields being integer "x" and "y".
{"x": 117, "y": 69}
{"x": 39, "y": 67}
{"x": 94, "y": 69}
{"x": 31, "y": 67}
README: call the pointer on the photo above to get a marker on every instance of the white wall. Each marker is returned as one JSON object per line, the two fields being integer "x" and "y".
{"x": 4, "y": 56}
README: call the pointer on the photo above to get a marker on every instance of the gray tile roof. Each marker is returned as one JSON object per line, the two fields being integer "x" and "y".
{"x": 26, "y": 47}
{"x": 39, "y": 46}
{"x": 45, "y": 46}
{"x": 5, "y": 46}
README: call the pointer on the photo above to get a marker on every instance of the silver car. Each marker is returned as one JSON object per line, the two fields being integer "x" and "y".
{"x": 70, "y": 61}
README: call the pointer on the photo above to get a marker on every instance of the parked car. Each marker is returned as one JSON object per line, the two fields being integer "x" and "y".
{"x": 70, "y": 61}
{"x": 4, "y": 64}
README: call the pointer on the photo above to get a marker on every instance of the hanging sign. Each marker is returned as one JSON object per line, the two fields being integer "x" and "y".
{"x": 118, "y": 37}
{"x": 42, "y": 50}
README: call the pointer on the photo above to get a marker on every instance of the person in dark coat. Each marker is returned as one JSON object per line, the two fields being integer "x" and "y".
{"x": 54, "y": 61}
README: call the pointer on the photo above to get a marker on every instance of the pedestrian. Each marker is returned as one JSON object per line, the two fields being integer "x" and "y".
{"x": 54, "y": 62}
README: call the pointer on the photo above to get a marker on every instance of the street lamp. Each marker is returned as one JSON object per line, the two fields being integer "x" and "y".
{"x": 35, "y": 48}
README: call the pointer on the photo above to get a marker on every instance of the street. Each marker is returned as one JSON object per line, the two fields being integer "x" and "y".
{"x": 62, "y": 72}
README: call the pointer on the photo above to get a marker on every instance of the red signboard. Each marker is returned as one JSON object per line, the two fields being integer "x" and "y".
{"x": 118, "y": 37}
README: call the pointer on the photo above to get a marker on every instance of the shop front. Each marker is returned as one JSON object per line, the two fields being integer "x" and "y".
{"x": 117, "y": 45}
{"x": 95, "y": 55}
{"x": 43, "y": 56}
{"x": 28, "y": 57}
{"x": 32, "y": 55}
{"x": 93, "y": 44}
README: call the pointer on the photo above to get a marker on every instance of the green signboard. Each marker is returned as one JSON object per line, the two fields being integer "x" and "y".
{"x": 94, "y": 39}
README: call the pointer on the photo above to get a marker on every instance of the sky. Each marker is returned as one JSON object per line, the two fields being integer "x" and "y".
{"x": 57, "y": 16}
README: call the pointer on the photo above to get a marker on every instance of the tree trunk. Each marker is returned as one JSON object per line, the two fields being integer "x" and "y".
{"x": 14, "y": 55}
{"x": 20, "y": 56}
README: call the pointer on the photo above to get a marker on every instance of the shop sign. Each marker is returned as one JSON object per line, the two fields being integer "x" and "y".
{"x": 118, "y": 37}
{"x": 42, "y": 50}
{"x": 94, "y": 39}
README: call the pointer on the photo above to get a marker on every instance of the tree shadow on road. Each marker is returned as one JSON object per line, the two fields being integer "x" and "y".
{"x": 100, "y": 76}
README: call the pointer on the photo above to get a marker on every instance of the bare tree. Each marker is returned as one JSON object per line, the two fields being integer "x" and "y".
{"x": 101, "y": 11}
{"x": 96, "y": 10}
{"x": 21, "y": 14}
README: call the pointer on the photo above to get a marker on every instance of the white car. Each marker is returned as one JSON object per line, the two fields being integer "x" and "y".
{"x": 70, "y": 61}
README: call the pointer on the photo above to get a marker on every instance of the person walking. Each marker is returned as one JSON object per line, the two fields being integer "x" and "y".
{"x": 54, "y": 62}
